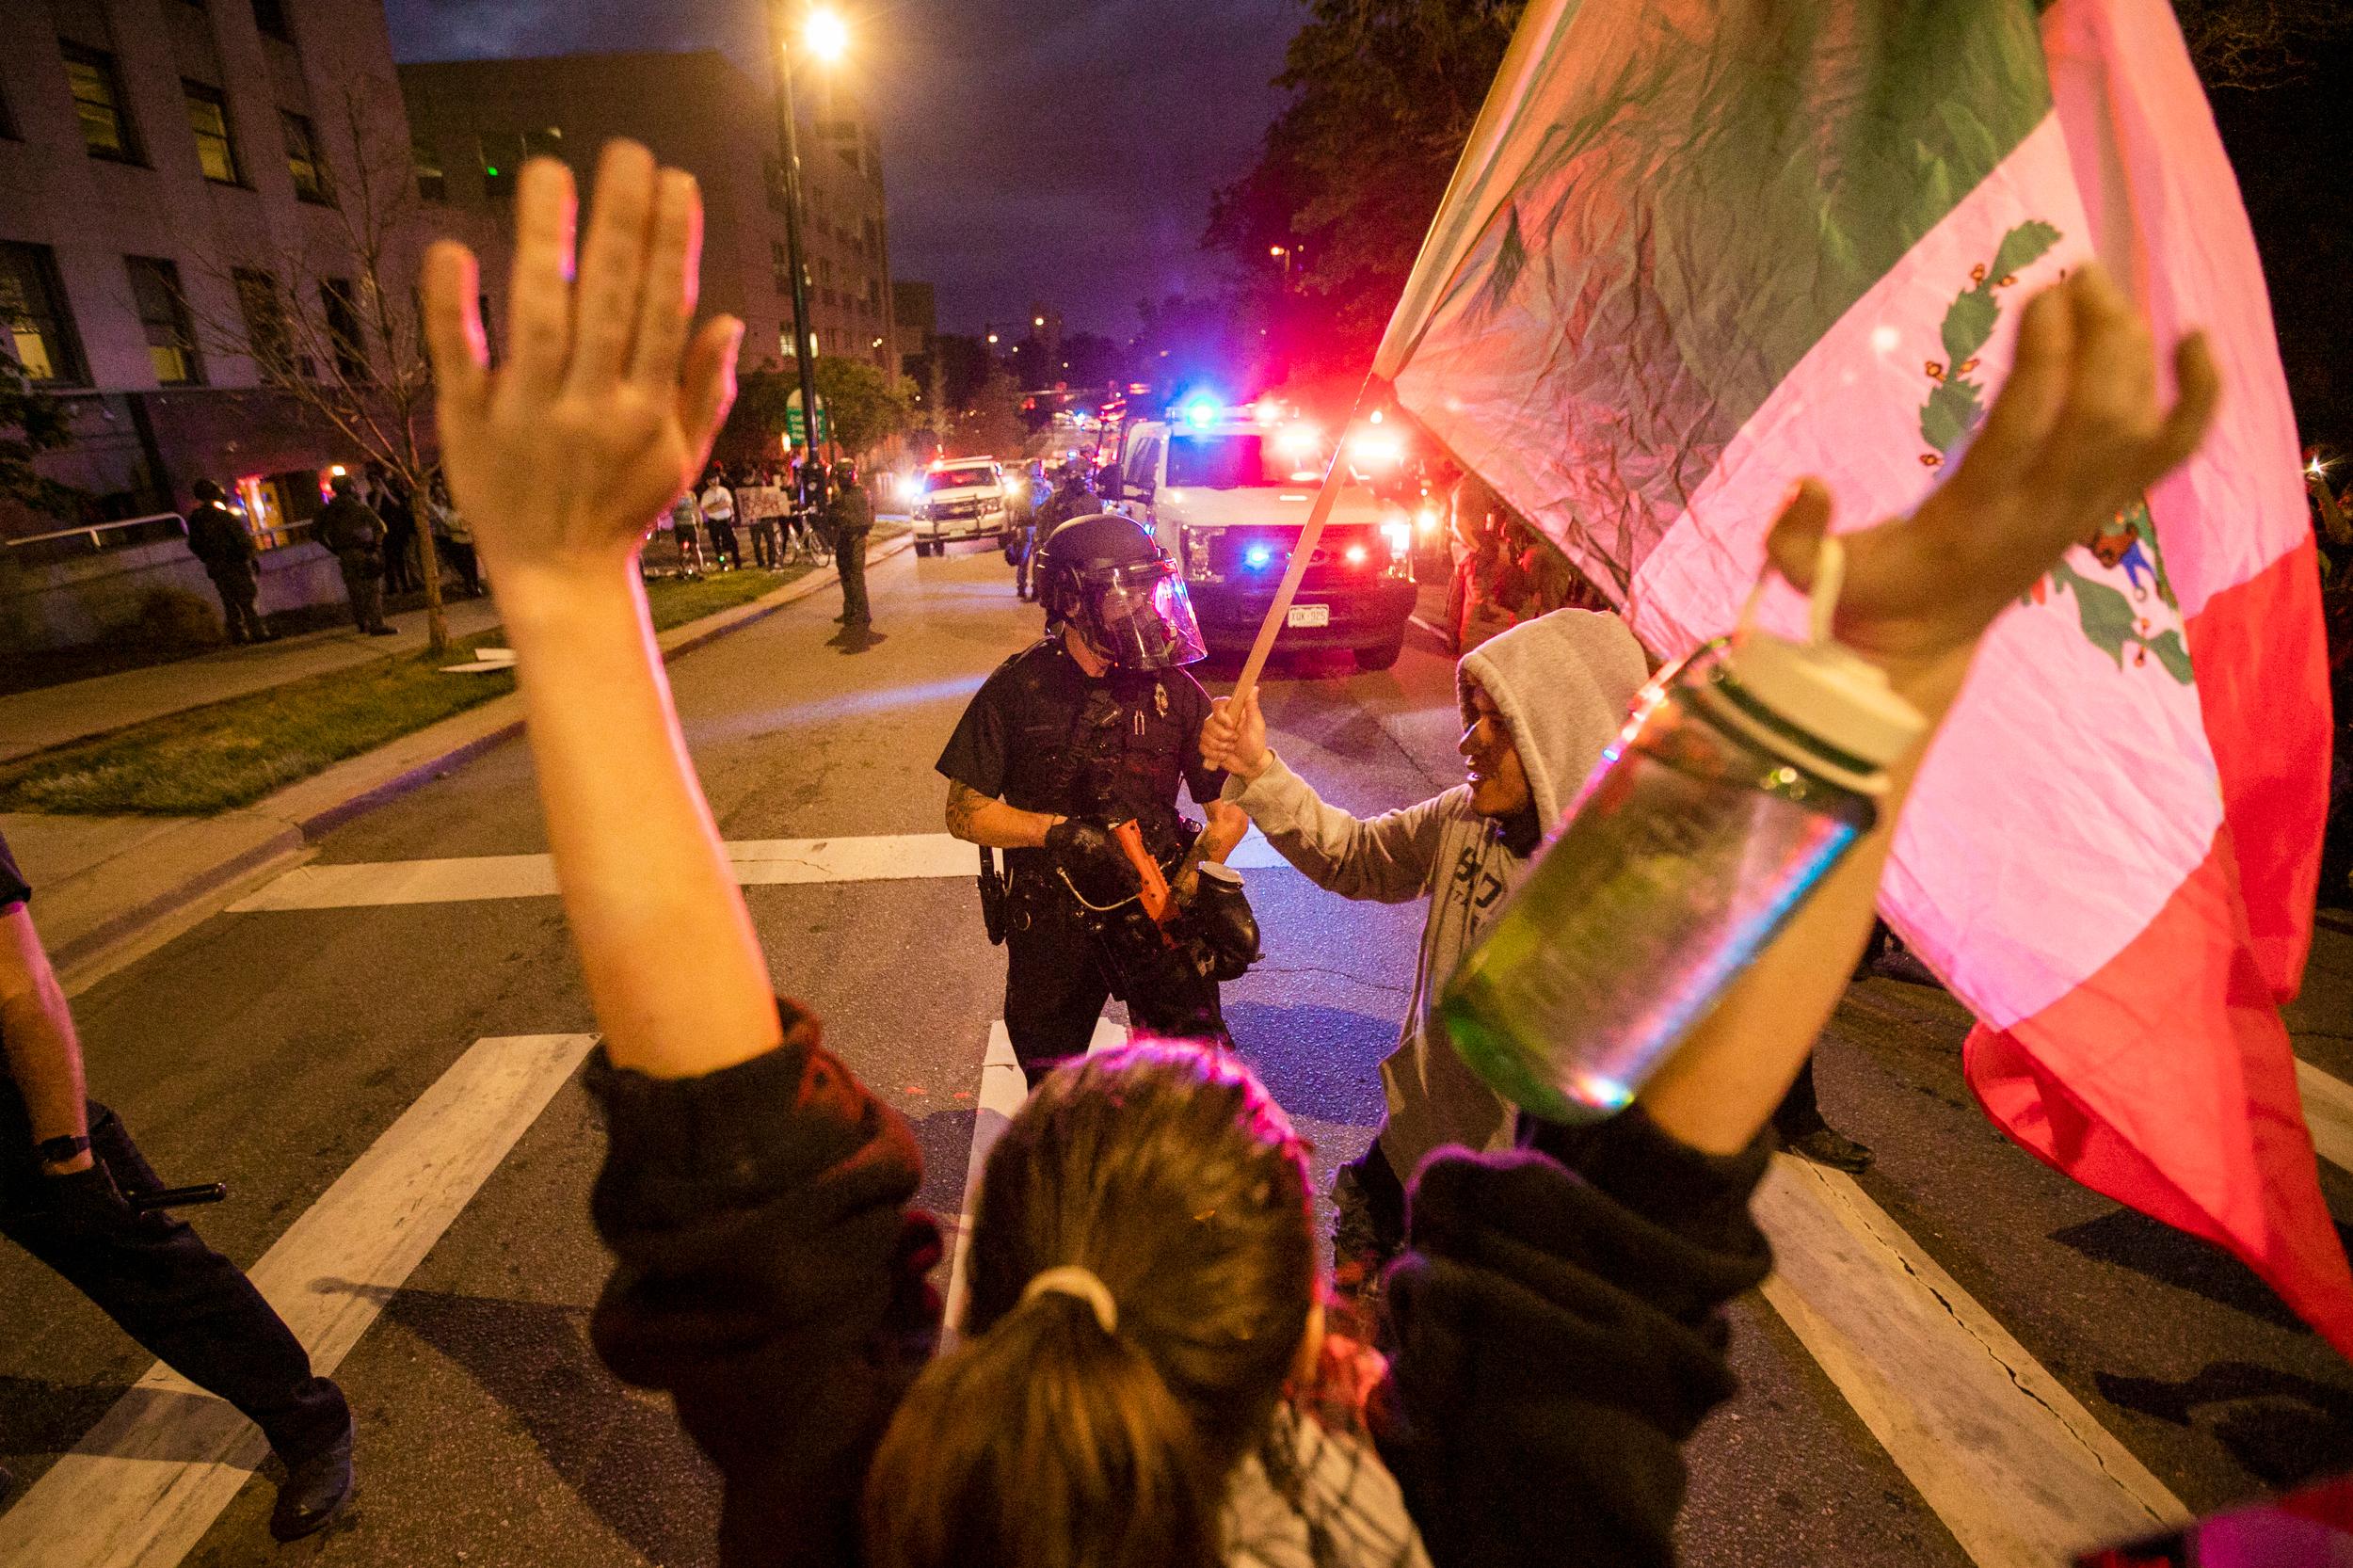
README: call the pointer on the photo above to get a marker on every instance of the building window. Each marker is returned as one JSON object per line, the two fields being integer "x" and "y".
{"x": 98, "y": 102}
{"x": 782, "y": 260}
{"x": 266, "y": 333}
{"x": 163, "y": 314}
{"x": 8, "y": 120}
{"x": 40, "y": 330}
{"x": 270, "y": 17}
{"x": 344, "y": 334}
{"x": 432, "y": 184}
{"x": 208, "y": 117}
{"x": 302, "y": 156}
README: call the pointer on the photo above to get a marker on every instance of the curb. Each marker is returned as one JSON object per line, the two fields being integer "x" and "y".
{"x": 224, "y": 856}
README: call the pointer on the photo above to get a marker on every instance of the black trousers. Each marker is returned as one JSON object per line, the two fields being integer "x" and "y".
{"x": 401, "y": 573}
{"x": 1055, "y": 988}
{"x": 849, "y": 560}
{"x": 363, "y": 580}
{"x": 191, "y": 1307}
{"x": 764, "y": 542}
{"x": 238, "y": 589}
{"x": 723, "y": 545}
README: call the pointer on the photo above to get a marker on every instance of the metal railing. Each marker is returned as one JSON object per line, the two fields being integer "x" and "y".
{"x": 95, "y": 538}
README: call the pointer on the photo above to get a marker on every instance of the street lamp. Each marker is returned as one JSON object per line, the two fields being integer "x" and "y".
{"x": 826, "y": 36}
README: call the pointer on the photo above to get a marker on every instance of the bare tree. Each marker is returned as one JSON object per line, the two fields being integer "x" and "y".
{"x": 2253, "y": 44}
{"x": 335, "y": 326}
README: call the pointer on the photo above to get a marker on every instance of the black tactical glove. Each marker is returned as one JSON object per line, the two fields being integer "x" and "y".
{"x": 1219, "y": 919}
{"x": 1092, "y": 859}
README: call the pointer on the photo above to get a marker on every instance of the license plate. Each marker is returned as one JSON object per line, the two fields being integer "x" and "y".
{"x": 1309, "y": 615}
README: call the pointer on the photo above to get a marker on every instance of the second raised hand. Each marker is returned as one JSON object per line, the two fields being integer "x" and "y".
{"x": 605, "y": 409}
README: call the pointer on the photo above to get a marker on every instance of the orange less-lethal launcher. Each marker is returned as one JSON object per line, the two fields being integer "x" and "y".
{"x": 1157, "y": 900}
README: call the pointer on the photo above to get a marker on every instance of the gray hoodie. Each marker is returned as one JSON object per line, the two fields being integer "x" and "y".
{"x": 1563, "y": 682}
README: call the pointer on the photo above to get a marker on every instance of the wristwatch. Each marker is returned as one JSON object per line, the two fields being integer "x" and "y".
{"x": 65, "y": 1147}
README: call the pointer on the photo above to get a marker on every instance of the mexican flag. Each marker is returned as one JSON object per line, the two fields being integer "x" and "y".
{"x": 1697, "y": 249}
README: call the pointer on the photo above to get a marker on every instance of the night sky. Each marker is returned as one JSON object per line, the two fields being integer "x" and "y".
{"x": 1032, "y": 148}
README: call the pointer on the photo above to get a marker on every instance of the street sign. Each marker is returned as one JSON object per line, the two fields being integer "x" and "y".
{"x": 793, "y": 422}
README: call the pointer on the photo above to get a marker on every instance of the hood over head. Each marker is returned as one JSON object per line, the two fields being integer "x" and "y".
{"x": 1565, "y": 682}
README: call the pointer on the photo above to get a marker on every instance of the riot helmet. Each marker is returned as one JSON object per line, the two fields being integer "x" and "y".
{"x": 1107, "y": 576}
{"x": 206, "y": 489}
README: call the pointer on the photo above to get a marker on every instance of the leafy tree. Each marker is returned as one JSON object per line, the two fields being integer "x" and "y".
{"x": 1383, "y": 95}
{"x": 32, "y": 423}
{"x": 991, "y": 423}
{"x": 865, "y": 406}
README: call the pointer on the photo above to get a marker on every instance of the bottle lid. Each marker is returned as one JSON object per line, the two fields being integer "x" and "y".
{"x": 1820, "y": 690}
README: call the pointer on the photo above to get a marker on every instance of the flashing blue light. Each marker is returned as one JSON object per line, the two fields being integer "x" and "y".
{"x": 1202, "y": 410}
{"x": 1257, "y": 557}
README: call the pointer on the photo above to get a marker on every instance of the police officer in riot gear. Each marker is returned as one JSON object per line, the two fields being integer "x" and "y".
{"x": 1092, "y": 727}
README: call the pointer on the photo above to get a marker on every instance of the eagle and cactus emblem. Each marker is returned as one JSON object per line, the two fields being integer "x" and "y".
{"x": 2123, "y": 597}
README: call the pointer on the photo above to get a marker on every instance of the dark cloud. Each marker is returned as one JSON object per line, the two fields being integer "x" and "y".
{"x": 1033, "y": 149}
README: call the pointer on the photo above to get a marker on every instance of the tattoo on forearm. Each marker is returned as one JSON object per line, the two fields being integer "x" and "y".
{"x": 963, "y": 804}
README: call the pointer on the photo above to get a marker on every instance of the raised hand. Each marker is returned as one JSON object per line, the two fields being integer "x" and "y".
{"x": 1233, "y": 737}
{"x": 604, "y": 411}
{"x": 2076, "y": 435}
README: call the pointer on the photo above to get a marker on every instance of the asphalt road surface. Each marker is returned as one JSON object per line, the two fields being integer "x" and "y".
{"x": 1965, "y": 1358}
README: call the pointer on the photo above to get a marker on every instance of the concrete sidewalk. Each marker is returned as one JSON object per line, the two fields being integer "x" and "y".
{"x": 110, "y": 888}
{"x": 55, "y": 716}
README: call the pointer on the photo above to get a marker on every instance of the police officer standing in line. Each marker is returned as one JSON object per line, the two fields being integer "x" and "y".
{"x": 68, "y": 1170}
{"x": 351, "y": 529}
{"x": 1093, "y": 726}
{"x": 850, "y": 518}
{"x": 218, "y": 538}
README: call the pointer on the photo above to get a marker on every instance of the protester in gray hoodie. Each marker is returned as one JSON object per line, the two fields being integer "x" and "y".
{"x": 1539, "y": 703}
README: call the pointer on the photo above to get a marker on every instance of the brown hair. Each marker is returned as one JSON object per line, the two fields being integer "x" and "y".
{"x": 1045, "y": 1442}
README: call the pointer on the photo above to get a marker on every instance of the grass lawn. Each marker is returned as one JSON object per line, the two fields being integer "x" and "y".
{"x": 675, "y": 602}
{"x": 231, "y": 754}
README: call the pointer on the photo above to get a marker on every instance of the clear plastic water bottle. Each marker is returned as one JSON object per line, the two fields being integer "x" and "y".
{"x": 1744, "y": 775}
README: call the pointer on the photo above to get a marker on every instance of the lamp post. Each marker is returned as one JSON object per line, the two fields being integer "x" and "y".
{"x": 826, "y": 36}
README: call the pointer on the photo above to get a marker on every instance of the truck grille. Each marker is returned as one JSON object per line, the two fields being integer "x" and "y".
{"x": 1246, "y": 557}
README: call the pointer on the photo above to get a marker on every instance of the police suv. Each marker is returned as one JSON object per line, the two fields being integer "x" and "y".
{"x": 1227, "y": 491}
{"x": 962, "y": 499}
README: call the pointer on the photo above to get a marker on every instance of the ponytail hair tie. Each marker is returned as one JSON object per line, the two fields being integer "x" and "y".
{"x": 1069, "y": 1279}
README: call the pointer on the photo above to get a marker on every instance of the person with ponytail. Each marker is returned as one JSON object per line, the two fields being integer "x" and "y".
{"x": 1145, "y": 1376}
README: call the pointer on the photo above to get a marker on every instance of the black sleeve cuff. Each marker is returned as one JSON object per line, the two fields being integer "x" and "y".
{"x": 681, "y": 1149}
{"x": 1702, "y": 1197}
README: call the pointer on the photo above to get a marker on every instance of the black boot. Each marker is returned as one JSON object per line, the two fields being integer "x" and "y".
{"x": 318, "y": 1489}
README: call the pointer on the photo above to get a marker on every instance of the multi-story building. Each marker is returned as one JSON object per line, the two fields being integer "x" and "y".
{"x": 178, "y": 184}
{"x": 915, "y": 311}
{"x": 475, "y": 121}
{"x": 169, "y": 179}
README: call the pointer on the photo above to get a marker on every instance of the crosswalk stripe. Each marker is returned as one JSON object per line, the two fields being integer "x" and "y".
{"x": 2020, "y": 1472}
{"x": 1003, "y": 1088}
{"x": 147, "y": 1481}
{"x": 757, "y": 862}
{"x": 2329, "y": 1113}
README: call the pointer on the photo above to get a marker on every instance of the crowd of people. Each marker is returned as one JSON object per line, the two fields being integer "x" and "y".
{"x": 804, "y": 511}
{"x": 1146, "y": 1373}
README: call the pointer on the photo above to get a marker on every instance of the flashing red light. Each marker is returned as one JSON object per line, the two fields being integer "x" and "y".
{"x": 1358, "y": 555}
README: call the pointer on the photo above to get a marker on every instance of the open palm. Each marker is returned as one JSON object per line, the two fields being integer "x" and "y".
{"x": 605, "y": 411}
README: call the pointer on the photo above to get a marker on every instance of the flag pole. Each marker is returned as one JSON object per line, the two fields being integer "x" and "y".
{"x": 1310, "y": 535}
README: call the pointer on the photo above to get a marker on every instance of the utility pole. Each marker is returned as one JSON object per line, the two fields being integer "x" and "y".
{"x": 789, "y": 140}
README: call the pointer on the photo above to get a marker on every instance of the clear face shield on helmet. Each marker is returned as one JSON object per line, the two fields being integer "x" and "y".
{"x": 1141, "y": 617}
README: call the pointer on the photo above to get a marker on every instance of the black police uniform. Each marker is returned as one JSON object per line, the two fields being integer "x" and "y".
{"x": 1044, "y": 735}
{"x": 192, "y": 1308}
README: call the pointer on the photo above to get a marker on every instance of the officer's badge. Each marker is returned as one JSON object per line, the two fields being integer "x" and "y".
{"x": 1159, "y": 699}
